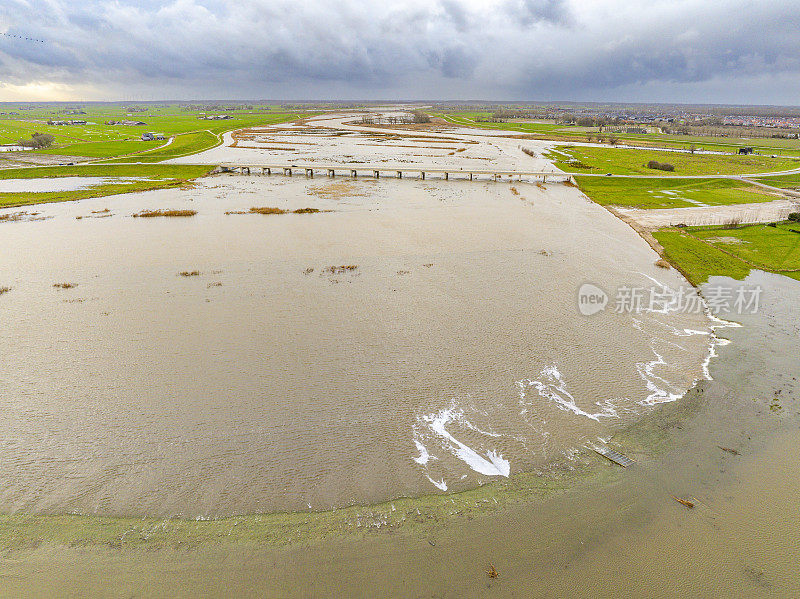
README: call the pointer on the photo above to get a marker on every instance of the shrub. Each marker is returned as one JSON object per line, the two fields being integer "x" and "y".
{"x": 732, "y": 223}
{"x": 661, "y": 166}
{"x": 794, "y": 217}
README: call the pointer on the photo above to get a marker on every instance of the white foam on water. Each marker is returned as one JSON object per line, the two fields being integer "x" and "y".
{"x": 661, "y": 390}
{"x": 491, "y": 463}
{"x": 441, "y": 485}
{"x": 551, "y": 385}
{"x": 424, "y": 456}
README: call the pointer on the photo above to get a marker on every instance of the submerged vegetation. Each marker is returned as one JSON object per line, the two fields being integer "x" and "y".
{"x": 123, "y": 178}
{"x": 162, "y": 212}
{"x": 189, "y": 273}
{"x": 64, "y": 285}
{"x": 274, "y": 210}
{"x": 4, "y": 290}
{"x": 337, "y": 270}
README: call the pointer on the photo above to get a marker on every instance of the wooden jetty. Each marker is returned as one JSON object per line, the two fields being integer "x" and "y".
{"x": 612, "y": 455}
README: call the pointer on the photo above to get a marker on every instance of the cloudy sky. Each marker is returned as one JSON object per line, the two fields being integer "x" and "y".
{"x": 718, "y": 51}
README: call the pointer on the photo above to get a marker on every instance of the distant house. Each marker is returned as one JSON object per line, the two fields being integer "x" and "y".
{"x": 148, "y": 137}
{"x": 745, "y": 150}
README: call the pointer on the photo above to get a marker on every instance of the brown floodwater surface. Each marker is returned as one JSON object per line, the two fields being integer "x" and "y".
{"x": 452, "y": 354}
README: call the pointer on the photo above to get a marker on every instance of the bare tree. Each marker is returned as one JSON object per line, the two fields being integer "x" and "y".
{"x": 37, "y": 141}
{"x": 420, "y": 117}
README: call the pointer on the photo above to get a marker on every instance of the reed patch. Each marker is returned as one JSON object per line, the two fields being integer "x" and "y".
{"x": 164, "y": 212}
{"x": 274, "y": 210}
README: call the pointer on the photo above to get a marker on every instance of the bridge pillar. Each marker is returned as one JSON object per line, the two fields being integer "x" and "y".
{"x": 544, "y": 178}
{"x": 399, "y": 174}
{"x": 470, "y": 176}
{"x": 246, "y": 168}
{"x": 447, "y": 176}
{"x": 422, "y": 175}
{"x": 353, "y": 173}
{"x": 496, "y": 177}
{"x": 287, "y": 171}
{"x": 377, "y": 174}
{"x": 310, "y": 172}
{"x": 331, "y": 172}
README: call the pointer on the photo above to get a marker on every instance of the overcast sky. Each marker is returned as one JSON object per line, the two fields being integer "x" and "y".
{"x": 716, "y": 51}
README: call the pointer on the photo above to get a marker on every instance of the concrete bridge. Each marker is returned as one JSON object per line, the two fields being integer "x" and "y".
{"x": 420, "y": 172}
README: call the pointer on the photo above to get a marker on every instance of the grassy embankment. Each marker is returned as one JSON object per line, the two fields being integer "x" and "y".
{"x": 562, "y": 132}
{"x": 700, "y": 252}
{"x": 123, "y": 178}
{"x": 782, "y": 181}
{"x": 626, "y": 161}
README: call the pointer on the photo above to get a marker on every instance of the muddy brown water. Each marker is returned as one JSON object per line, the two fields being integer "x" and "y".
{"x": 453, "y": 355}
{"x": 619, "y": 535}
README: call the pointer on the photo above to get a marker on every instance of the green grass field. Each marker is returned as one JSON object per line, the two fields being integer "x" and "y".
{"x": 98, "y": 140}
{"x": 669, "y": 192}
{"x": 624, "y": 161}
{"x": 183, "y": 145}
{"x": 701, "y": 252}
{"x": 148, "y": 177}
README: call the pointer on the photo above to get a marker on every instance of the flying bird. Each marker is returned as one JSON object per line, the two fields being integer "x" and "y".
{"x": 22, "y": 37}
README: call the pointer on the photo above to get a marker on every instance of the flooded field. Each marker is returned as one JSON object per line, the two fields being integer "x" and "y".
{"x": 408, "y": 338}
{"x": 53, "y": 184}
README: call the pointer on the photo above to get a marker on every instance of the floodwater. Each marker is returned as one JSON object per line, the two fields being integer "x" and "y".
{"x": 55, "y": 184}
{"x": 619, "y": 534}
{"x": 452, "y": 354}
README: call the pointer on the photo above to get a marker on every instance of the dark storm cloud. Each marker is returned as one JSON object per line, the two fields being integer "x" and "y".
{"x": 468, "y": 48}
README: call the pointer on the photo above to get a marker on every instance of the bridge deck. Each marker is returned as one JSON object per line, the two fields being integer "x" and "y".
{"x": 359, "y": 168}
